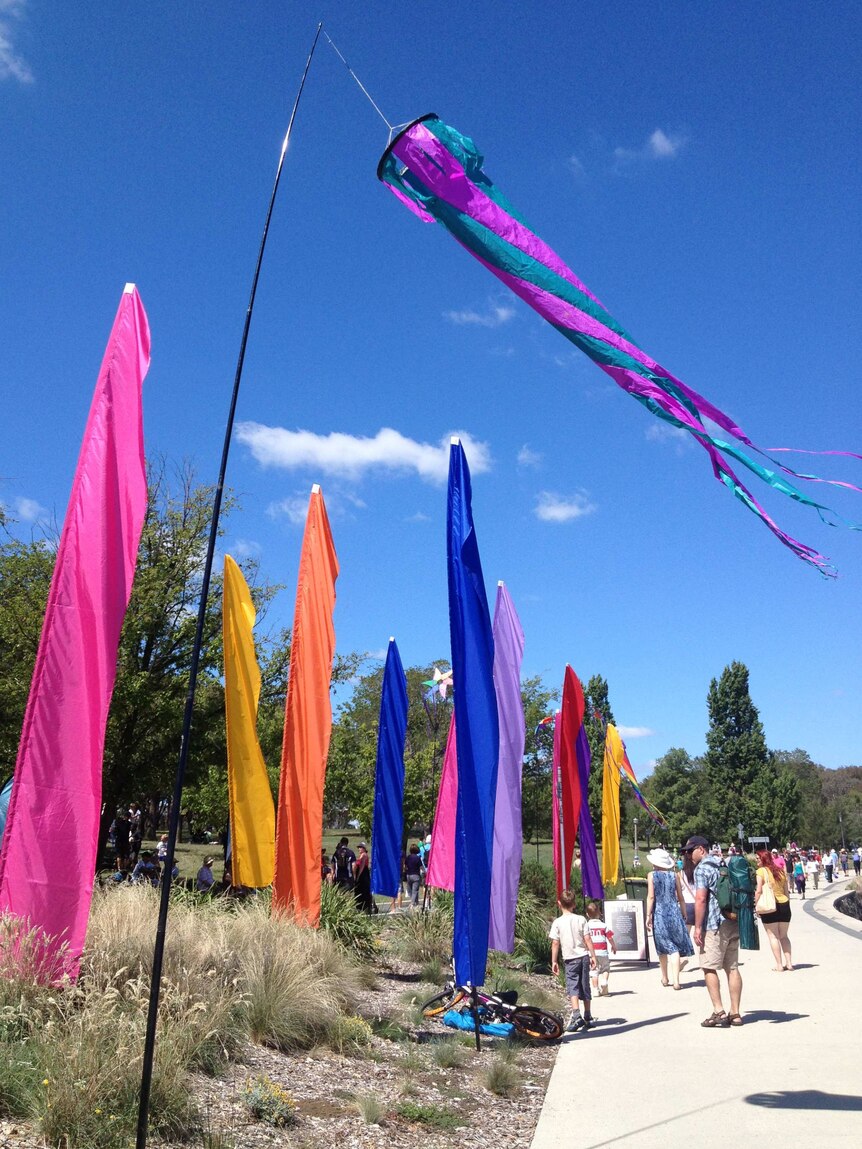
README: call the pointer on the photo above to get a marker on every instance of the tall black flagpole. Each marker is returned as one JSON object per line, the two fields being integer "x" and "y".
{"x": 159, "y": 951}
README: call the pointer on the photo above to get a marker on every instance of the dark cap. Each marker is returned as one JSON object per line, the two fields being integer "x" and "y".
{"x": 694, "y": 841}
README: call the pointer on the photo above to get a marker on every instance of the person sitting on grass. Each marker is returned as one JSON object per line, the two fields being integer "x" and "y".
{"x": 205, "y": 880}
{"x": 569, "y": 934}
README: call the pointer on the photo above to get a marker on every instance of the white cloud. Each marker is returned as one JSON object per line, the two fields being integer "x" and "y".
{"x": 25, "y": 510}
{"x": 662, "y": 146}
{"x": 554, "y": 508}
{"x": 657, "y": 146}
{"x": 528, "y": 458}
{"x": 635, "y": 732}
{"x": 294, "y": 509}
{"x": 576, "y": 167}
{"x": 246, "y": 549}
{"x": 660, "y": 432}
{"x": 12, "y": 66}
{"x": 496, "y": 315}
{"x": 419, "y": 517}
{"x": 350, "y": 456}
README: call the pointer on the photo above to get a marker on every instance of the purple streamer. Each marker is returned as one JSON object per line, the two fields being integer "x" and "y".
{"x": 591, "y": 879}
{"x": 508, "y": 833}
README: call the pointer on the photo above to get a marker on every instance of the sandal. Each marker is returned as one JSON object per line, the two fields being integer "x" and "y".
{"x": 734, "y": 1019}
{"x": 716, "y": 1021}
{"x": 665, "y": 982}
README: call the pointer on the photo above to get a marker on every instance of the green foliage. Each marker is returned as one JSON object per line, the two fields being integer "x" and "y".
{"x": 532, "y": 944}
{"x": 677, "y": 787}
{"x": 538, "y": 754}
{"x": 425, "y": 937}
{"x": 349, "y": 1034}
{"x": 269, "y": 1102}
{"x": 430, "y": 1115}
{"x": 596, "y": 699}
{"x": 501, "y": 1077}
{"x": 370, "y": 1109}
{"x": 448, "y": 1054}
{"x": 339, "y": 916}
{"x": 540, "y": 882}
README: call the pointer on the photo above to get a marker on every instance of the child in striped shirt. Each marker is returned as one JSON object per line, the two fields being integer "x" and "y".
{"x": 602, "y": 937}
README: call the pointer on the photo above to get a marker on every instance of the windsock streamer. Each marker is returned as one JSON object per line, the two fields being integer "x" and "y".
{"x": 50, "y": 841}
{"x": 437, "y": 173}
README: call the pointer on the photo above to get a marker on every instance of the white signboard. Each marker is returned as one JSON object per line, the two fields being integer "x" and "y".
{"x": 627, "y": 918}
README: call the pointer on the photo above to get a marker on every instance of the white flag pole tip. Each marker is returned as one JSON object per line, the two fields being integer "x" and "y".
{"x": 500, "y": 582}
{"x": 128, "y": 289}
{"x": 315, "y": 488}
{"x": 455, "y": 441}
{"x": 391, "y": 638}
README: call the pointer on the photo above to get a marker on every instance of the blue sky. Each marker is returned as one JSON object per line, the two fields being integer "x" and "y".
{"x": 697, "y": 166}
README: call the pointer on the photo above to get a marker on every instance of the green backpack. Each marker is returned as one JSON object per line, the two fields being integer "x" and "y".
{"x": 724, "y": 893}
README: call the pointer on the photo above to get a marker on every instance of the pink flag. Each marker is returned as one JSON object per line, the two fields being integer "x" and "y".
{"x": 48, "y": 859}
{"x": 441, "y": 862}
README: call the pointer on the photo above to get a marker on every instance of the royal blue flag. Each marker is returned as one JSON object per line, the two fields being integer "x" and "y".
{"x": 476, "y": 727}
{"x": 387, "y": 827}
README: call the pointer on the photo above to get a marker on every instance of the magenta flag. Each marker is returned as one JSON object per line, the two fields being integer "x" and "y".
{"x": 508, "y": 834}
{"x": 441, "y": 861}
{"x": 48, "y": 859}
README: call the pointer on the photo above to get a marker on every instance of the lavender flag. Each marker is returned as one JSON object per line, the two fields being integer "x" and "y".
{"x": 508, "y": 838}
{"x": 591, "y": 880}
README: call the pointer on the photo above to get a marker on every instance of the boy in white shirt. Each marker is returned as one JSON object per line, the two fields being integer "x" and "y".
{"x": 602, "y": 937}
{"x": 569, "y": 934}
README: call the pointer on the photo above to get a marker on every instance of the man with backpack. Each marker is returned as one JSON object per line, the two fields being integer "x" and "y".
{"x": 715, "y": 934}
{"x": 343, "y": 861}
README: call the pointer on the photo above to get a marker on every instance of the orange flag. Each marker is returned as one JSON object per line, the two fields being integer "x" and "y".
{"x": 307, "y": 724}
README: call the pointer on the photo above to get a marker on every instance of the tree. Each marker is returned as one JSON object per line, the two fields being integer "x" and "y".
{"x": 597, "y": 703}
{"x": 677, "y": 788}
{"x": 25, "y": 578}
{"x": 536, "y": 807}
{"x": 738, "y": 770}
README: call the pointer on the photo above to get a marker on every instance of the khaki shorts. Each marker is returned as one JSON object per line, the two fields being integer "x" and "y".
{"x": 721, "y": 948}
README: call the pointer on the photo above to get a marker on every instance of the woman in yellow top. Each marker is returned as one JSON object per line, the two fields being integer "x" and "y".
{"x": 776, "y": 924}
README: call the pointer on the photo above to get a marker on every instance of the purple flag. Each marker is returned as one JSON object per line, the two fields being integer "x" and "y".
{"x": 591, "y": 881}
{"x": 508, "y": 836}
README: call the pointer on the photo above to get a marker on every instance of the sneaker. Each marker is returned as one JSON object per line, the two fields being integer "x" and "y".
{"x": 578, "y": 1024}
{"x": 574, "y": 1023}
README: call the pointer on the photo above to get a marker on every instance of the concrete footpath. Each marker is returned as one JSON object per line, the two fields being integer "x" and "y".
{"x": 649, "y": 1076}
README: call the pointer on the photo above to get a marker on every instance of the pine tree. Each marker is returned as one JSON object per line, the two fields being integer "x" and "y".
{"x": 739, "y": 771}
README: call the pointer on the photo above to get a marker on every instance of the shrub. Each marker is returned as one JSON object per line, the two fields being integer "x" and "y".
{"x": 429, "y": 1115}
{"x": 423, "y": 937}
{"x": 354, "y": 931}
{"x": 532, "y": 944}
{"x": 448, "y": 1054}
{"x": 349, "y": 1034}
{"x": 370, "y": 1109}
{"x": 501, "y": 1077}
{"x": 540, "y": 882}
{"x": 270, "y": 1102}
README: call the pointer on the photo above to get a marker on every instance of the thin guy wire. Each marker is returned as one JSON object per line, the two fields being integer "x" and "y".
{"x": 358, "y": 81}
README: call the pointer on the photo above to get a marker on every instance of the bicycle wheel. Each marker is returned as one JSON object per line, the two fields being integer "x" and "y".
{"x": 536, "y": 1024}
{"x": 438, "y": 1005}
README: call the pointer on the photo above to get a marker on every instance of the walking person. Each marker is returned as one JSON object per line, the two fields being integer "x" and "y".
{"x": 812, "y": 870}
{"x": 716, "y": 937}
{"x": 666, "y": 916}
{"x": 413, "y": 870}
{"x": 827, "y": 865}
{"x": 776, "y": 923}
{"x": 843, "y": 860}
{"x": 362, "y": 880}
{"x": 799, "y": 876}
{"x": 602, "y": 936}
{"x": 570, "y": 936}
{"x": 857, "y": 861}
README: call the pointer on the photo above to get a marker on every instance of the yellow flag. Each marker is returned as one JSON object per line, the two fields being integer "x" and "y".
{"x": 614, "y": 751}
{"x": 252, "y": 811}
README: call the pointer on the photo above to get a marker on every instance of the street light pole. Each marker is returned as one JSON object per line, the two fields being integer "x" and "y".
{"x": 636, "y": 860}
{"x": 841, "y": 824}
{"x": 740, "y": 830}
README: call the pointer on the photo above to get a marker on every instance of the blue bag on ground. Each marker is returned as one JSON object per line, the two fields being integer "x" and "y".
{"x": 456, "y": 1020}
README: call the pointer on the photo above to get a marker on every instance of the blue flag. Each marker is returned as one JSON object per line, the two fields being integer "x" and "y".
{"x": 387, "y": 827}
{"x": 476, "y": 727}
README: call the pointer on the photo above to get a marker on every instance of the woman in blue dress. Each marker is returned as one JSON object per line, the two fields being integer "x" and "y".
{"x": 666, "y": 916}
